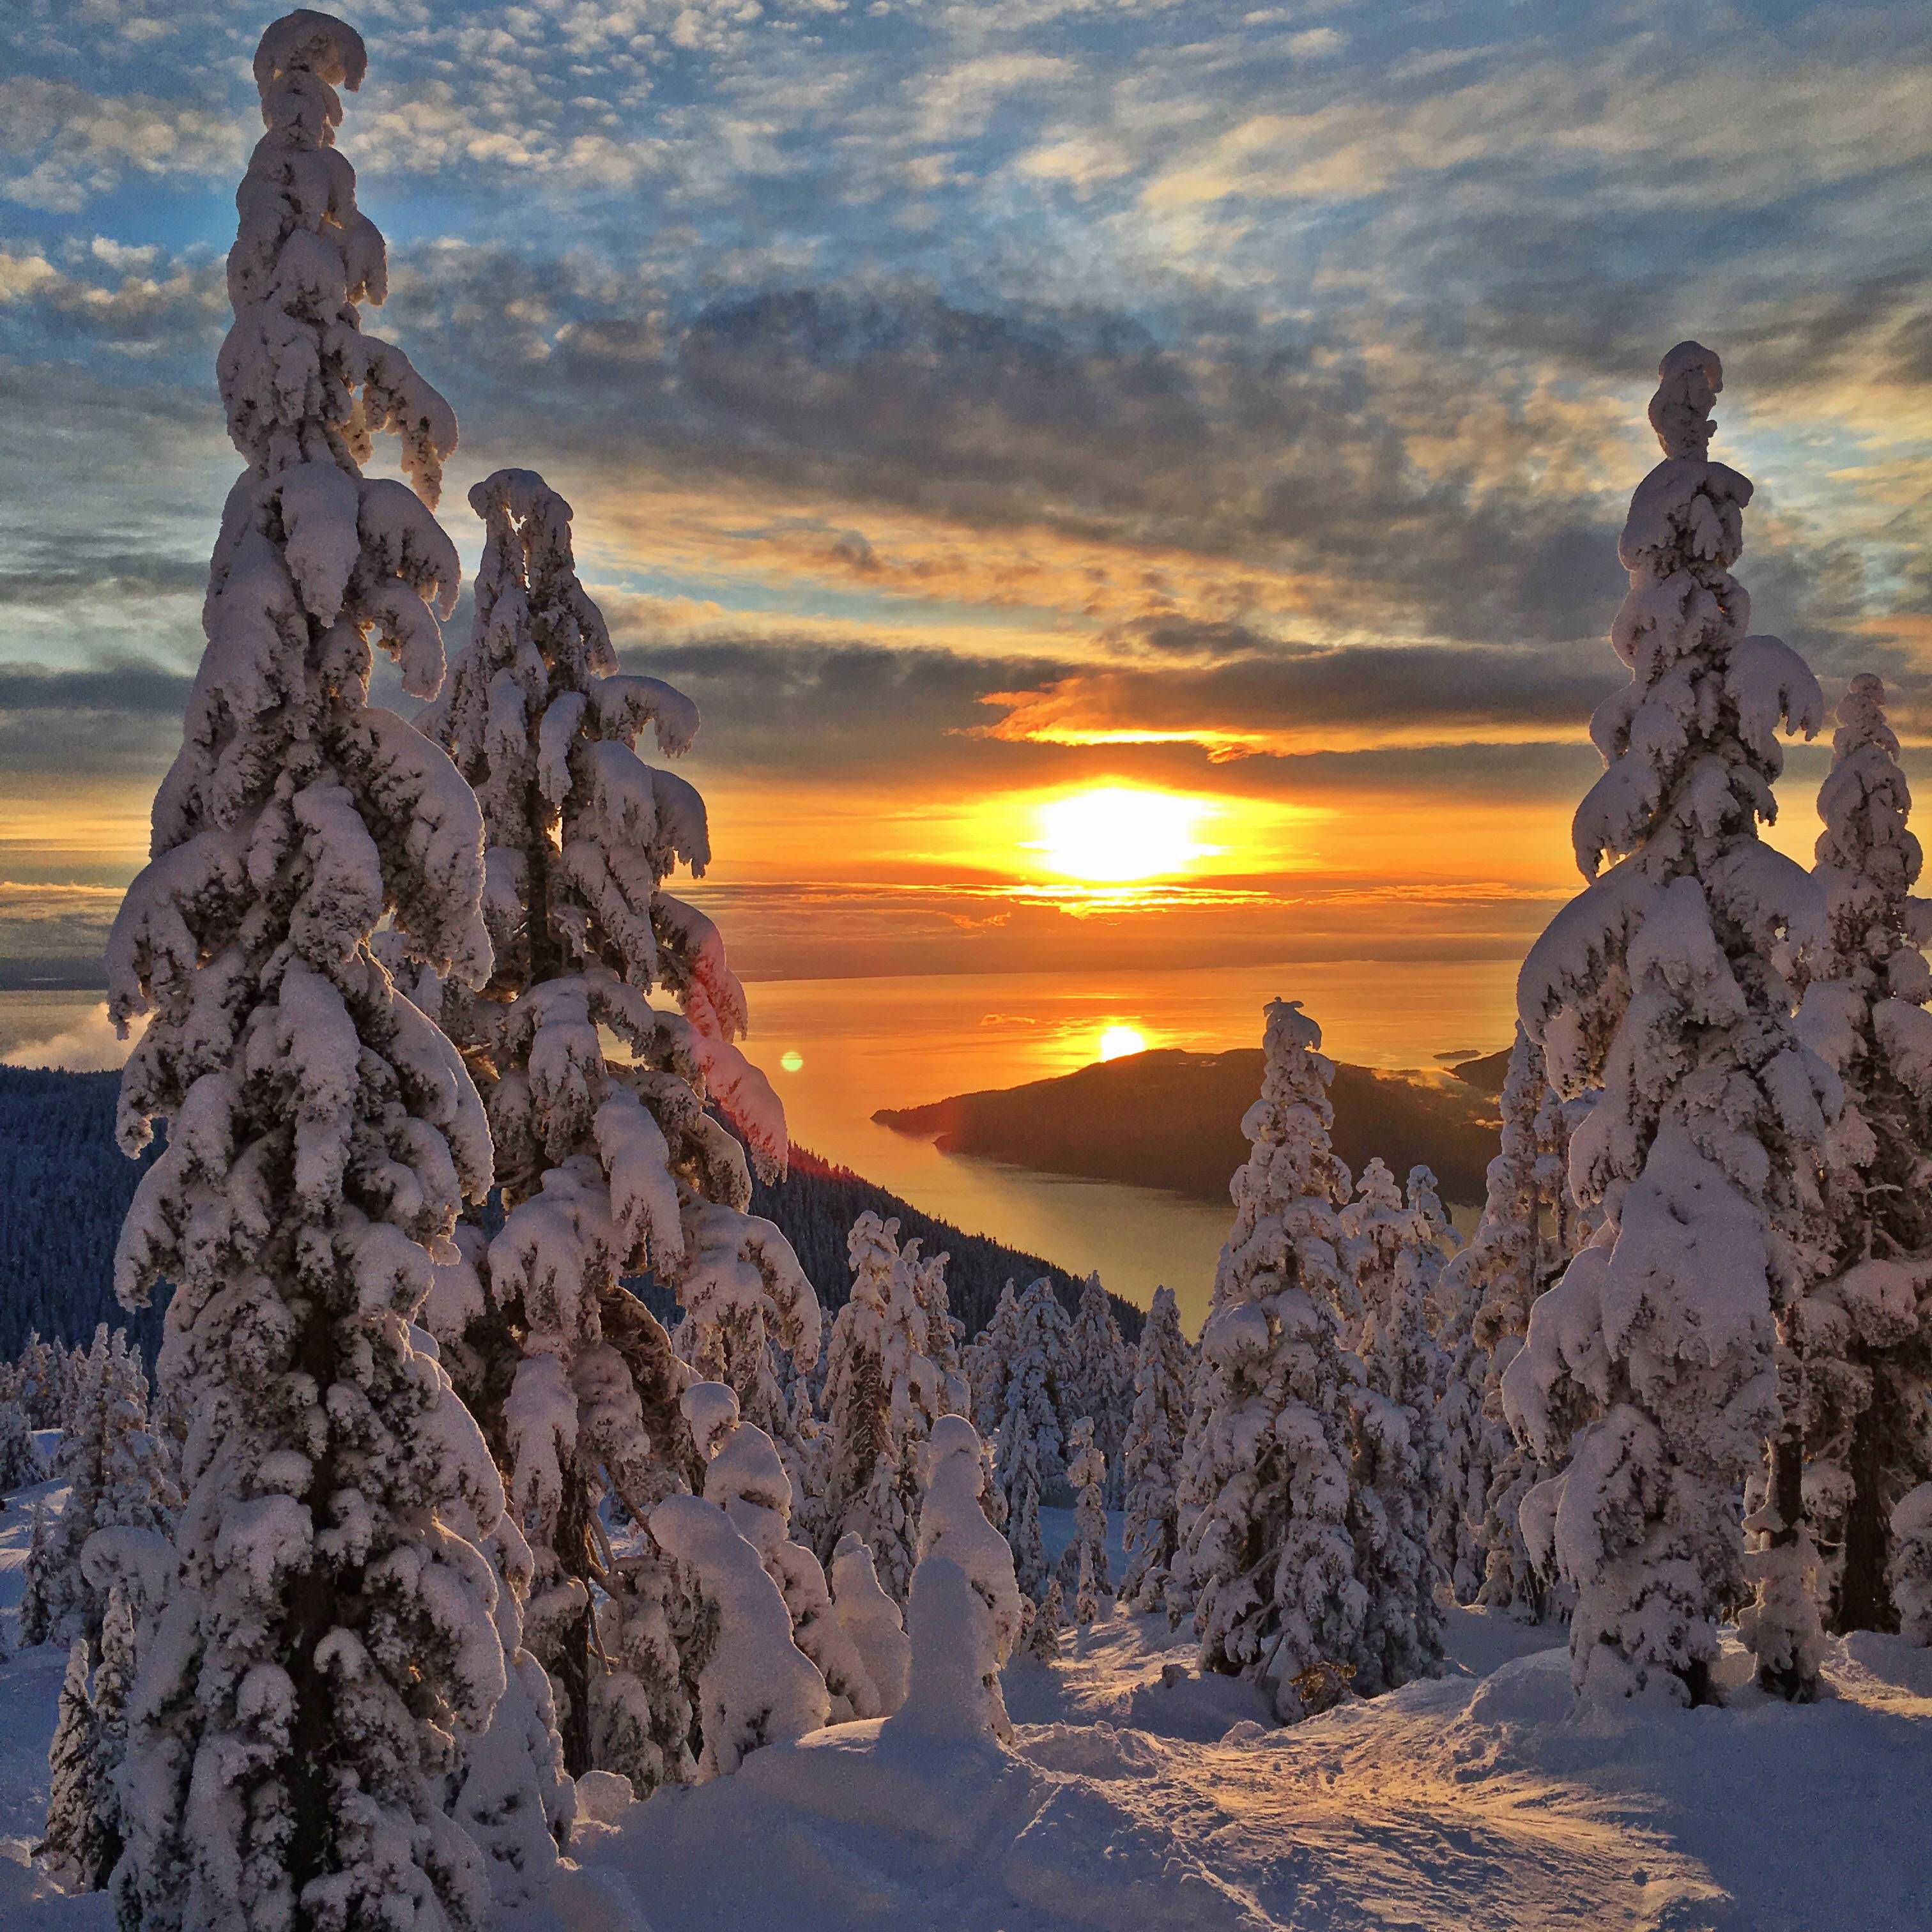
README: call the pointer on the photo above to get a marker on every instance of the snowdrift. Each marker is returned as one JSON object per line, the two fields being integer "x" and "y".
{"x": 1476, "y": 1802}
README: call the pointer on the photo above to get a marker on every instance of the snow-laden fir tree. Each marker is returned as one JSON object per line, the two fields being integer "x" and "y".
{"x": 1521, "y": 1241}
{"x": 1156, "y": 1430}
{"x": 113, "y": 1687}
{"x": 954, "y": 1696}
{"x": 1375, "y": 1226}
{"x": 1029, "y": 1445}
{"x": 964, "y": 1612}
{"x": 1266, "y": 1557}
{"x": 608, "y": 1166}
{"x": 80, "y": 1845}
{"x": 883, "y": 1394}
{"x": 118, "y": 1477}
{"x": 872, "y": 1621}
{"x": 746, "y": 1479}
{"x": 1910, "y": 1573}
{"x": 953, "y": 1524}
{"x": 755, "y": 1686}
{"x": 1084, "y": 1562}
{"x": 329, "y": 1632}
{"x": 1100, "y": 1376}
{"x": 38, "y": 1578}
{"x": 1660, "y": 985}
{"x": 1049, "y": 1619}
{"x": 20, "y": 1460}
{"x": 1397, "y": 1468}
{"x": 1863, "y": 1335}
{"x": 986, "y": 1360}
{"x": 943, "y": 1329}
{"x": 37, "y": 1382}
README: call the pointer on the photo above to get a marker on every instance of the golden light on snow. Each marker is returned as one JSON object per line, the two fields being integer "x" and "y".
{"x": 1119, "y": 1039}
{"x": 1110, "y": 834}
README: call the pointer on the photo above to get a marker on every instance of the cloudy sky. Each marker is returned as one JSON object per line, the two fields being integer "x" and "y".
{"x": 980, "y": 406}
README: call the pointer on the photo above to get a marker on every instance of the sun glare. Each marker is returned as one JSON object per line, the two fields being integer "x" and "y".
{"x": 1117, "y": 832}
{"x": 1116, "y": 1042}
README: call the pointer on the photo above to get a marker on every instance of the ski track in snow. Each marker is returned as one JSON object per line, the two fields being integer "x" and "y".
{"x": 1141, "y": 1798}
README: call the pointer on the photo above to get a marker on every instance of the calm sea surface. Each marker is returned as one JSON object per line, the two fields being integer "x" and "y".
{"x": 836, "y": 1049}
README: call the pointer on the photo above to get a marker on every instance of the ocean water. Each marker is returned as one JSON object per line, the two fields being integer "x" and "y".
{"x": 838, "y": 1049}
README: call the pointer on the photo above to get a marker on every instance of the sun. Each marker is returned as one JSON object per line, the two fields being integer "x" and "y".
{"x": 1113, "y": 833}
{"x": 1118, "y": 1040}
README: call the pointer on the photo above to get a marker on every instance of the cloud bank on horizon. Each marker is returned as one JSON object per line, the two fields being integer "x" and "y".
{"x": 968, "y": 401}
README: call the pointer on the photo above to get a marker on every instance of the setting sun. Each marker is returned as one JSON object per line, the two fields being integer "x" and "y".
{"x": 1116, "y": 1042}
{"x": 1117, "y": 832}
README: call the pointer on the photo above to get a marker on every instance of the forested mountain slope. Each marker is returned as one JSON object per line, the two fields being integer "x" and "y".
{"x": 64, "y": 1186}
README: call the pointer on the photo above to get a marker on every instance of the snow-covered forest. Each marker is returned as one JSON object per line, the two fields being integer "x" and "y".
{"x": 506, "y": 1496}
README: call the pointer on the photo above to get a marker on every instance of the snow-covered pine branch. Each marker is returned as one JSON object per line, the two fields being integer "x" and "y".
{"x": 1660, "y": 984}
{"x": 329, "y": 1631}
{"x": 1864, "y": 1333}
{"x": 1266, "y": 1557}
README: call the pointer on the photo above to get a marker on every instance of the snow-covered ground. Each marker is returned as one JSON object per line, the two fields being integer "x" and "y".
{"x": 1139, "y": 1798}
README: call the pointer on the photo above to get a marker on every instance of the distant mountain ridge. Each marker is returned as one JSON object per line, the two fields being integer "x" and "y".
{"x": 1170, "y": 1118}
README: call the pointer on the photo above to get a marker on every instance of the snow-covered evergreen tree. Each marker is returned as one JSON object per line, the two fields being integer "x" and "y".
{"x": 1862, "y": 1337}
{"x": 1029, "y": 1443}
{"x": 329, "y": 1633}
{"x": 118, "y": 1477}
{"x": 38, "y": 1382}
{"x": 1084, "y": 1562}
{"x": 1522, "y": 1239}
{"x": 1396, "y": 1440}
{"x": 943, "y": 1329}
{"x": 987, "y": 1358}
{"x": 1156, "y": 1430}
{"x": 954, "y": 1696}
{"x": 1909, "y": 1574}
{"x": 873, "y": 1622}
{"x": 1375, "y": 1226}
{"x": 747, "y": 1480}
{"x": 81, "y": 1842}
{"x": 1100, "y": 1377}
{"x": 607, "y": 1167}
{"x": 1049, "y": 1619}
{"x": 38, "y": 1573}
{"x": 20, "y": 1460}
{"x": 953, "y": 1521}
{"x": 883, "y": 1394}
{"x": 113, "y": 1688}
{"x": 1660, "y": 985}
{"x": 1266, "y": 1556}
{"x": 755, "y": 1686}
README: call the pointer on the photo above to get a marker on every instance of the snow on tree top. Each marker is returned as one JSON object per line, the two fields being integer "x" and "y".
{"x": 1690, "y": 378}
